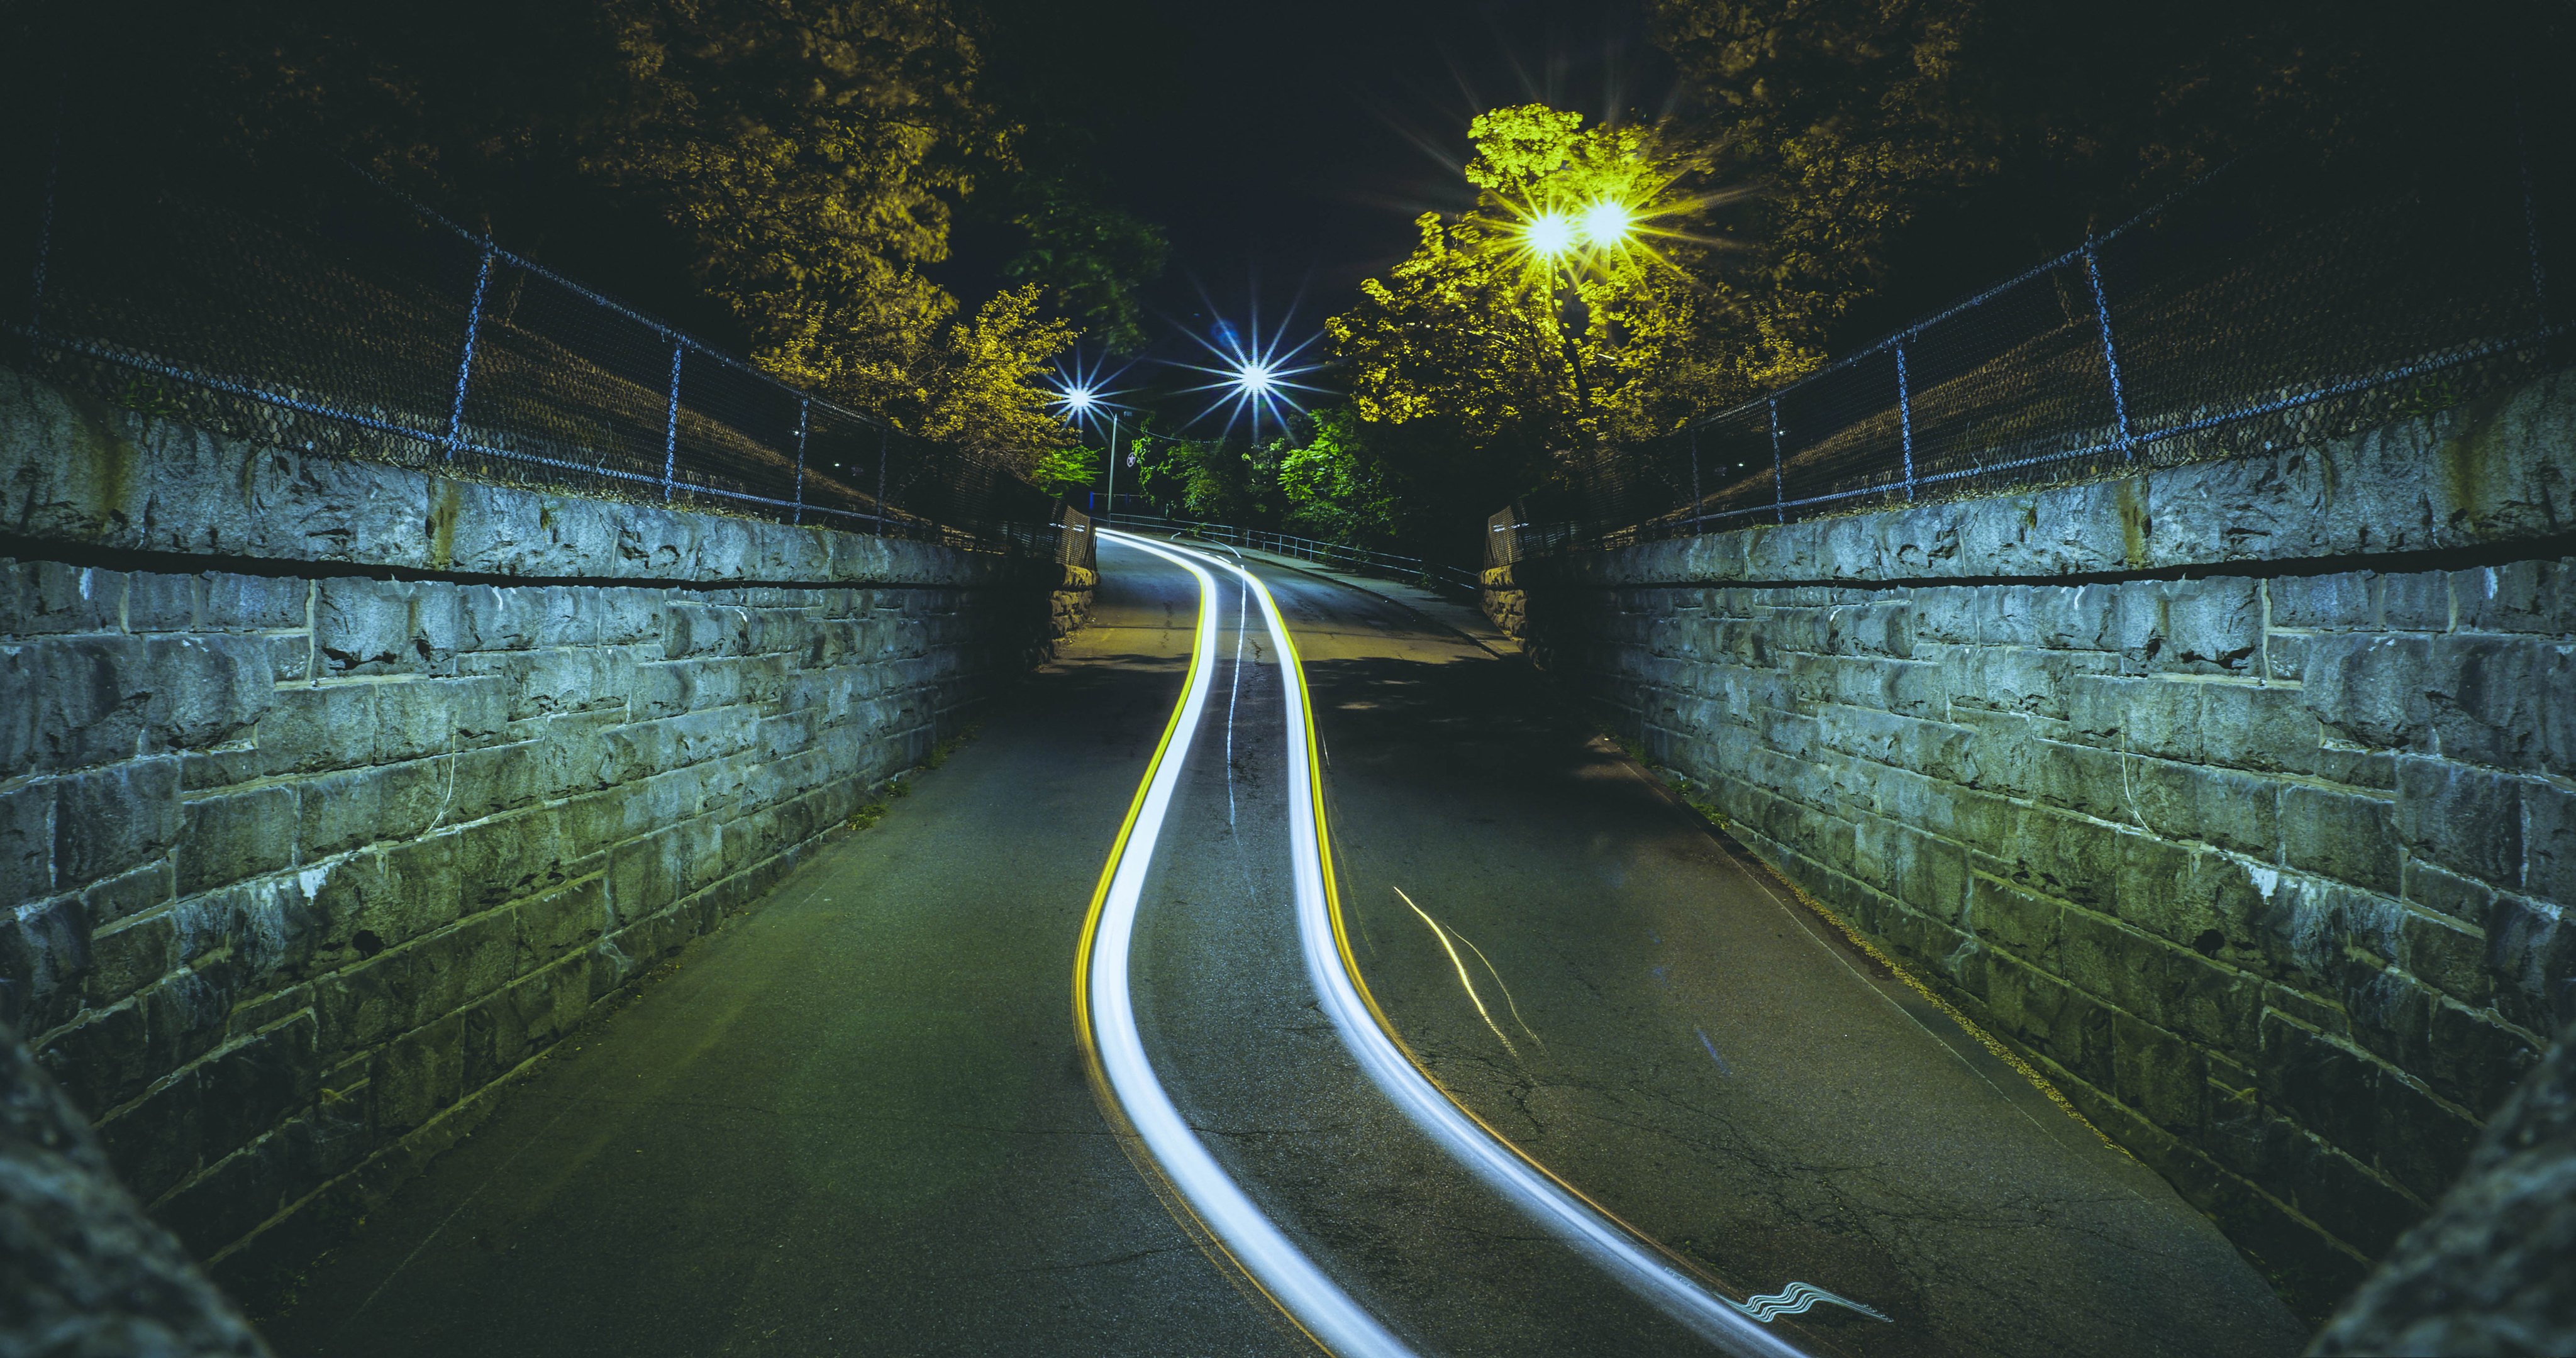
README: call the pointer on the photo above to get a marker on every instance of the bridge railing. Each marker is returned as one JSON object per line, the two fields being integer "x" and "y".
{"x": 1339, "y": 556}
{"x": 308, "y": 305}
{"x": 2293, "y": 294}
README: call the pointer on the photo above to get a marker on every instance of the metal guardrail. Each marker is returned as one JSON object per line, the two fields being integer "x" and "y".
{"x": 1357, "y": 560}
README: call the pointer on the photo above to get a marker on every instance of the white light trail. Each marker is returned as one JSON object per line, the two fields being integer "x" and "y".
{"x": 1274, "y": 1263}
{"x": 1736, "y": 1327}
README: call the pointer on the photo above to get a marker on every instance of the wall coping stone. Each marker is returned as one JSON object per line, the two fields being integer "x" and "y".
{"x": 77, "y": 470}
{"x": 2498, "y": 470}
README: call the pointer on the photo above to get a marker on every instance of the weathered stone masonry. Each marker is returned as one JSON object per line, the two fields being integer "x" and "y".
{"x": 331, "y": 794}
{"x": 2257, "y": 834}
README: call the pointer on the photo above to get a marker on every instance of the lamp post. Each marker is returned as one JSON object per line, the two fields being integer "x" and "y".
{"x": 1112, "y": 511}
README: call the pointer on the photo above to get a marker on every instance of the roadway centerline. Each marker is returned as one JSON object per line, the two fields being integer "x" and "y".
{"x": 1114, "y": 1050}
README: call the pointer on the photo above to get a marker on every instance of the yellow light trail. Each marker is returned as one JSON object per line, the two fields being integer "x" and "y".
{"x": 1454, "y": 960}
{"x": 1648, "y": 1267}
{"x": 1122, "y": 1078}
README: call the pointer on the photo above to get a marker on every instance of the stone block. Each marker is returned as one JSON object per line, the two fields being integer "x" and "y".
{"x": 2518, "y": 596}
{"x": 363, "y": 626}
{"x": 2465, "y": 819}
{"x": 229, "y": 836}
{"x": 44, "y": 960}
{"x": 161, "y": 603}
{"x": 2337, "y": 602}
{"x": 243, "y": 1190}
{"x": 252, "y": 603}
{"x": 82, "y": 701}
{"x": 2347, "y": 836}
{"x": 26, "y": 842}
{"x": 128, "y": 956}
{"x": 251, "y": 1086}
{"x": 2212, "y": 626}
{"x": 2462, "y": 898}
{"x": 372, "y": 805}
{"x": 2157, "y": 1074}
{"x": 184, "y": 1016}
{"x": 2415, "y": 601}
{"x": 2549, "y": 842}
{"x": 113, "y": 819}
{"x": 2445, "y": 954}
{"x": 319, "y": 726}
{"x": 160, "y": 1139}
{"x": 413, "y": 718}
{"x": 2156, "y": 717}
{"x": 2370, "y": 688}
{"x": 2531, "y": 953}
{"x": 2492, "y": 697}
{"x": 49, "y": 598}
{"x": 206, "y": 690}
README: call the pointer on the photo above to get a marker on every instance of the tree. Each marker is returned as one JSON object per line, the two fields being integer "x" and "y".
{"x": 1528, "y": 348}
{"x": 778, "y": 172}
{"x": 1933, "y": 145}
{"x": 1336, "y": 486}
{"x": 987, "y": 392}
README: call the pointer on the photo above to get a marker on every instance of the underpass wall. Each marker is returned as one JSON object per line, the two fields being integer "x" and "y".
{"x": 2240, "y": 797}
{"x": 332, "y": 794}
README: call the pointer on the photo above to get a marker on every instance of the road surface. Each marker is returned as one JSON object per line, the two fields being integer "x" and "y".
{"x": 861, "y": 1118}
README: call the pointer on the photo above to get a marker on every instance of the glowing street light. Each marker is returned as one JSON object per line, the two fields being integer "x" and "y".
{"x": 1082, "y": 399}
{"x": 1549, "y": 234}
{"x": 1606, "y": 223}
{"x": 1256, "y": 376}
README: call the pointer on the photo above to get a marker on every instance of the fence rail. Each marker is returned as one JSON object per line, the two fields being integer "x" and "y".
{"x": 1357, "y": 560}
{"x": 310, "y": 306}
{"x": 2293, "y": 295}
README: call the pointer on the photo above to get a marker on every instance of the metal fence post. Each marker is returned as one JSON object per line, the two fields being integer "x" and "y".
{"x": 671, "y": 423}
{"x": 465, "y": 360}
{"x": 2110, "y": 352}
{"x": 1779, "y": 483}
{"x": 885, "y": 443}
{"x": 804, "y": 415}
{"x": 1905, "y": 419}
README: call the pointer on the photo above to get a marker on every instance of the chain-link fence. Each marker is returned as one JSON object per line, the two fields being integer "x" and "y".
{"x": 309, "y": 306}
{"x": 2293, "y": 295}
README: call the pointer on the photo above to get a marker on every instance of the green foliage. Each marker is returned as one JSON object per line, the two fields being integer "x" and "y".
{"x": 1935, "y": 143}
{"x": 1091, "y": 259}
{"x": 1481, "y": 342}
{"x": 777, "y": 171}
{"x": 1218, "y": 479}
{"x": 1066, "y": 470}
{"x": 1336, "y": 487}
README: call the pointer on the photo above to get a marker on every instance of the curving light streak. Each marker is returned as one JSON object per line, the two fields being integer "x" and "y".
{"x": 1736, "y": 1327}
{"x": 1114, "y": 1051}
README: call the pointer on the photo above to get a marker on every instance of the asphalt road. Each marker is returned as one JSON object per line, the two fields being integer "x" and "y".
{"x": 858, "y": 1121}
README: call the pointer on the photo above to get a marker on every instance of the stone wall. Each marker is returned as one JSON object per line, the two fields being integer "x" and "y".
{"x": 2238, "y": 796}
{"x": 332, "y": 794}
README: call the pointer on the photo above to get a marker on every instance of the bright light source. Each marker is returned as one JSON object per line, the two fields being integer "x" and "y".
{"x": 1549, "y": 234}
{"x": 1078, "y": 399}
{"x": 1253, "y": 379}
{"x": 1606, "y": 223}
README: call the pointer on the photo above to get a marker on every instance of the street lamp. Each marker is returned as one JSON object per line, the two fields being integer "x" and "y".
{"x": 1606, "y": 223}
{"x": 1549, "y": 235}
{"x": 1079, "y": 401}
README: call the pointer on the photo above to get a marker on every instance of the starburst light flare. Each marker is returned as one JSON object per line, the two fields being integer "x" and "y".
{"x": 1256, "y": 377}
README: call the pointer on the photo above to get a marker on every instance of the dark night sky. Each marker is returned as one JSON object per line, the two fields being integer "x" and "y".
{"x": 1287, "y": 148}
